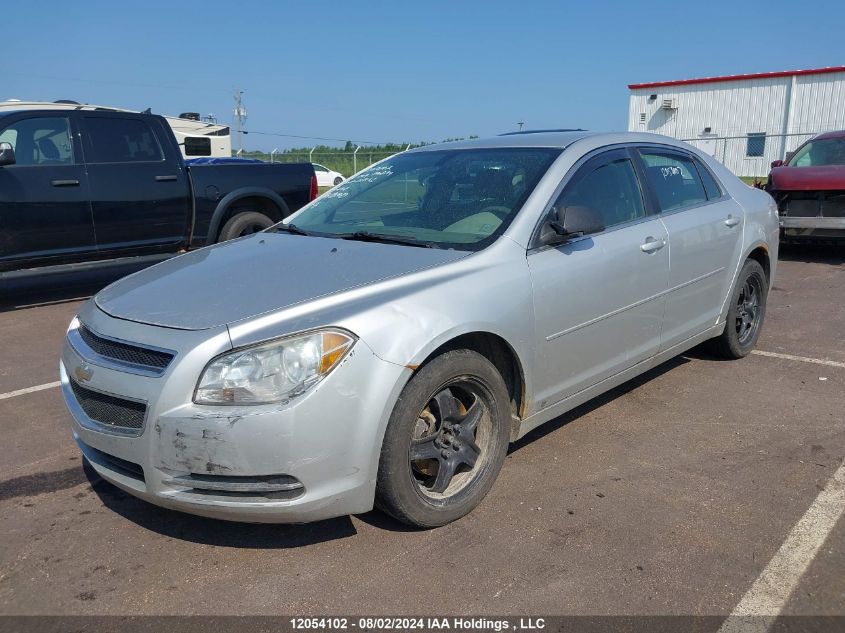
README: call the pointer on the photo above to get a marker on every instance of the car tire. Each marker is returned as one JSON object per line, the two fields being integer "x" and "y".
{"x": 245, "y": 223}
{"x": 454, "y": 413}
{"x": 338, "y": 180}
{"x": 745, "y": 314}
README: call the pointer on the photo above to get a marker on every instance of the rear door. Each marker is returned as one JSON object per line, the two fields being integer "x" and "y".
{"x": 705, "y": 237}
{"x": 599, "y": 300}
{"x": 140, "y": 194}
{"x": 45, "y": 214}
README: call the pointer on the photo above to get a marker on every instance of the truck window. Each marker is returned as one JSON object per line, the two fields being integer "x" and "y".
{"x": 117, "y": 140}
{"x": 40, "y": 141}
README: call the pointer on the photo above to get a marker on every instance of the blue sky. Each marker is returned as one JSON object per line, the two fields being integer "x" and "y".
{"x": 397, "y": 71}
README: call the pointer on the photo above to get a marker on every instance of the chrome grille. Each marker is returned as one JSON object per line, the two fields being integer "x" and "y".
{"x": 108, "y": 410}
{"x": 125, "y": 352}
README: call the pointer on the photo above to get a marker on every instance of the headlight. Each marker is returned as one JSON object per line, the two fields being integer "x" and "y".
{"x": 273, "y": 371}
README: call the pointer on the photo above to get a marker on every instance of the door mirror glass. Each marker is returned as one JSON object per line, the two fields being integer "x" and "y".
{"x": 777, "y": 163}
{"x": 7, "y": 154}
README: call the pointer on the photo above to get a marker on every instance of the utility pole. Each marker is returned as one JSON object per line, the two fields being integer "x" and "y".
{"x": 240, "y": 118}
{"x": 520, "y": 124}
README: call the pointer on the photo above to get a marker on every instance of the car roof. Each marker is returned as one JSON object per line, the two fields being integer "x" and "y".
{"x": 553, "y": 139}
{"x": 831, "y": 134}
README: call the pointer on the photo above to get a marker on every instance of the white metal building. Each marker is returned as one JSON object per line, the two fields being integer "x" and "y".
{"x": 745, "y": 121}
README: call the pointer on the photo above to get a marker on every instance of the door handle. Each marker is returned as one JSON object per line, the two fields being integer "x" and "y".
{"x": 652, "y": 245}
{"x": 64, "y": 183}
{"x": 165, "y": 178}
{"x": 732, "y": 221}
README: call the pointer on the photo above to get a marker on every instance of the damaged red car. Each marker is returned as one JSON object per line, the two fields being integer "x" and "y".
{"x": 809, "y": 188}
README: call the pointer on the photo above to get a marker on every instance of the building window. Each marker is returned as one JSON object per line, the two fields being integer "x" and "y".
{"x": 642, "y": 118}
{"x": 756, "y": 144}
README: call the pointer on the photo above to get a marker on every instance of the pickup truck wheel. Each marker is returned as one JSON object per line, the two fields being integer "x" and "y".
{"x": 745, "y": 314}
{"x": 446, "y": 441}
{"x": 245, "y": 223}
{"x": 338, "y": 180}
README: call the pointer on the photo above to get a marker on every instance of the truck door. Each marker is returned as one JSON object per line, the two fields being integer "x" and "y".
{"x": 45, "y": 214}
{"x": 140, "y": 195}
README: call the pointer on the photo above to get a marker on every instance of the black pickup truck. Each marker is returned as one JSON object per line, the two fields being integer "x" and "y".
{"x": 83, "y": 188}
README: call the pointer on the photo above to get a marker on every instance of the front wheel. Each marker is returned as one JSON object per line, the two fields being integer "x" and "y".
{"x": 745, "y": 314}
{"x": 446, "y": 440}
{"x": 338, "y": 180}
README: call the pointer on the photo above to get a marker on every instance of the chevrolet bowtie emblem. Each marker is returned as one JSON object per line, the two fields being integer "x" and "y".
{"x": 83, "y": 373}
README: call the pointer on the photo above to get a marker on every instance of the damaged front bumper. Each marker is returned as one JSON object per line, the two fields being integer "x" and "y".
{"x": 310, "y": 458}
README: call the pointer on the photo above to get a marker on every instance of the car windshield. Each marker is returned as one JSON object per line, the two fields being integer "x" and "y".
{"x": 829, "y": 151}
{"x": 462, "y": 199}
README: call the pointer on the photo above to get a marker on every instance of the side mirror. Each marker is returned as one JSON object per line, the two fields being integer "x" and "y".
{"x": 777, "y": 163}
{"x": 7, "y": 154}
{"x": 571, "y": 222}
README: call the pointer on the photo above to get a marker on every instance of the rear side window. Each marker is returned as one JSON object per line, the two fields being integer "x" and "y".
{"x": 714, "y": 191}
{"x": 40, "y": 141}
{"x": 115, "y": 140}
{"x": 612, "y": 188}
{"x": 674, "y": 179}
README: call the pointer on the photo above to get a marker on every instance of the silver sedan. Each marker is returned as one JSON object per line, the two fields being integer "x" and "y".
{"x": 385, "y": 344}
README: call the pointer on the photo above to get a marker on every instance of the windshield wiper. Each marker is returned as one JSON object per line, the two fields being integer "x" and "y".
{"x": 366, "y": 236}
{"x": 289, "y": 228}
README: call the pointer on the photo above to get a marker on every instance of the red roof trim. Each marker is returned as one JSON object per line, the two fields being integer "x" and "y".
{"x": 709, "y": 80}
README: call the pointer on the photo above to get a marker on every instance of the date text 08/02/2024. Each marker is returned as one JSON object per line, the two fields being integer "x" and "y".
{"x": 409, "y": 623}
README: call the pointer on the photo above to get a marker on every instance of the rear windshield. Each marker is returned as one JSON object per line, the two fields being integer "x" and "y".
{"x": 460, "y": 199}
{"x": 829, "y": 151}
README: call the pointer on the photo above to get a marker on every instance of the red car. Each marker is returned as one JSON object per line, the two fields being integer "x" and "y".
{"x": 809, "y": 188}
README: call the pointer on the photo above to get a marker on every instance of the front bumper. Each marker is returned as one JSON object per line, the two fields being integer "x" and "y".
{"x": 812, "y": 223}
{"x": 319, "y": 451}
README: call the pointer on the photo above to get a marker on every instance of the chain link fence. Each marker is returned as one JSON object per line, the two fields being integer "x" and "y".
{"x": 750, "y": 155}
{"x": 347, "y": 163}
{"x": 746, "y": 155}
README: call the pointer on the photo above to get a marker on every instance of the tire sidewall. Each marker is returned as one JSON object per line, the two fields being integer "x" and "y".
{"x": 751, "y": 268}
{"x": 397, "y": 492}
{"x": 238, "y": 222}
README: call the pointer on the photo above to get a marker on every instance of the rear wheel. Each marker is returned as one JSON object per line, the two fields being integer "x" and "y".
{"x": 745, "y": 315}
{"x": 245, "y": 223}
{"x": 445, "y": 442}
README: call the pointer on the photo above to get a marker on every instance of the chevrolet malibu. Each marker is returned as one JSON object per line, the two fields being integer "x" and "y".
{"x": 385, "y": 344}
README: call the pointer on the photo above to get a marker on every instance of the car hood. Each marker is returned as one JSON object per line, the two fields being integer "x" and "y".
{"x": 263, "y": 273}
{"x": 825, "y": 177}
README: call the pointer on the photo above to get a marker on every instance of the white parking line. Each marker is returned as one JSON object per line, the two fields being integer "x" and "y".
{"x": 803, "y": 359}
{"x": 758, "y": 608}
{"x": 20, "y": 392}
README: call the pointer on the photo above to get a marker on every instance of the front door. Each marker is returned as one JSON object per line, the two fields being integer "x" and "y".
{"x": 45, "y": 213}
{"x": 140, "y": 195}
{"x": 599, "y": 299}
